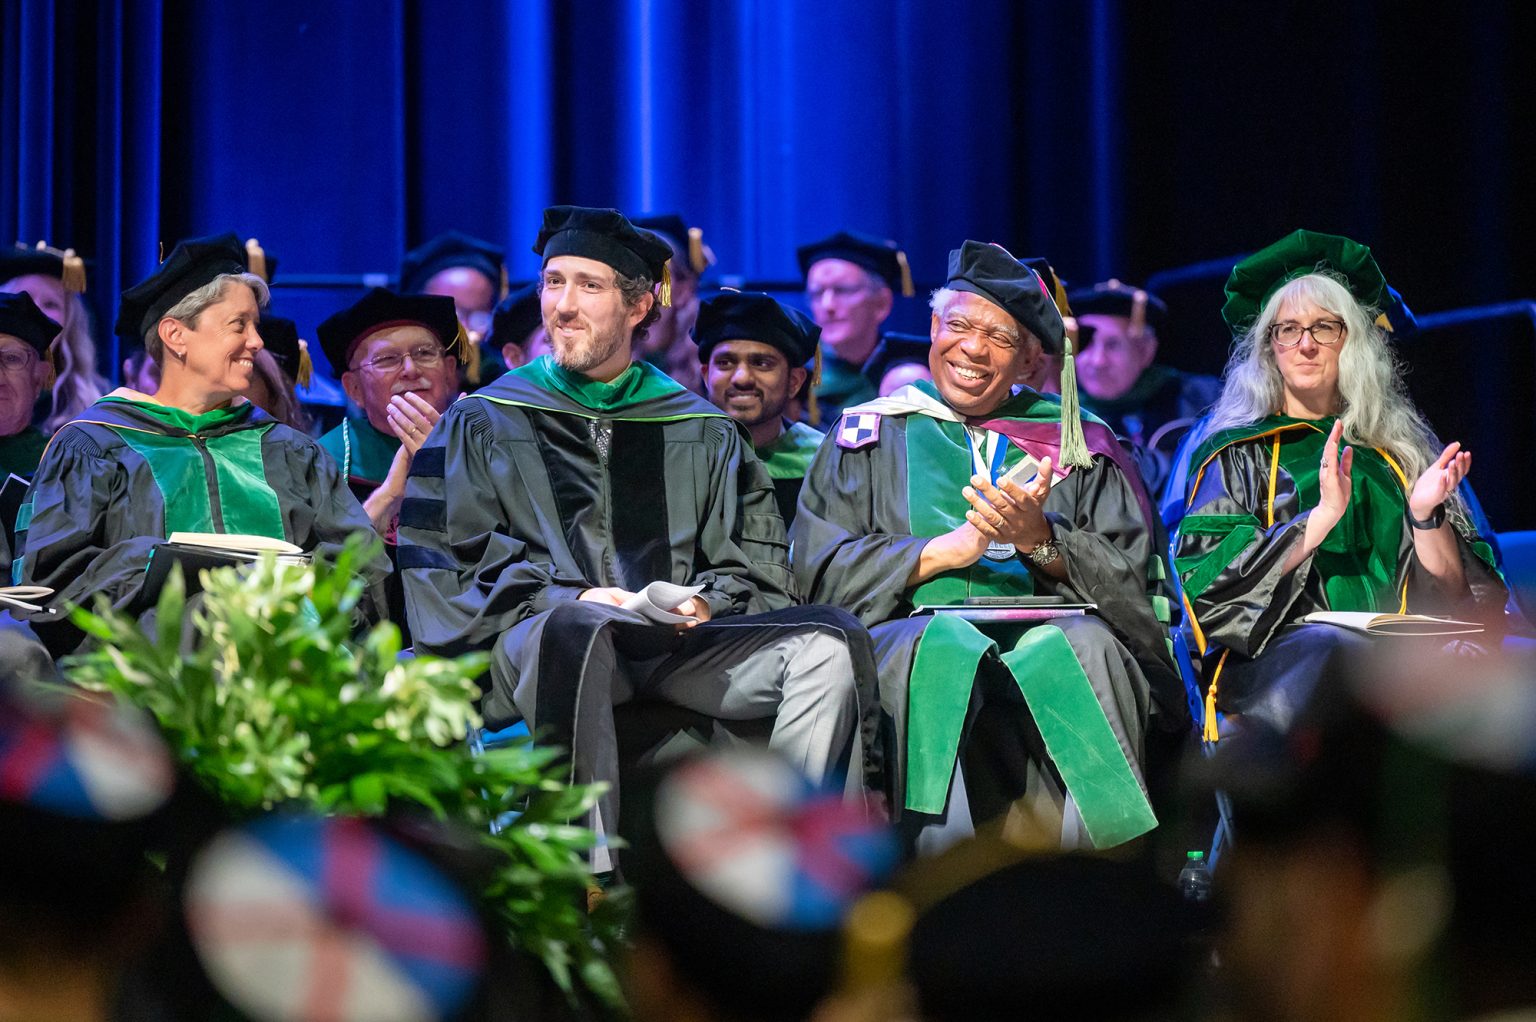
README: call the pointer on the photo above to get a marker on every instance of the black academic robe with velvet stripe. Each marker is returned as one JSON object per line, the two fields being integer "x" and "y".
{"x": 509, "y": 508}
{"x": 513, "y": 510}
{"x": 857, "y": 537}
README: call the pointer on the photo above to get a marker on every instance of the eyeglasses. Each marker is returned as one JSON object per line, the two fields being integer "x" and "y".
{"x": 16, "y": 361}
{"x": 428, "y": 356}
{"x": 841, "y": 292}
{"x": 1326, "y": 332}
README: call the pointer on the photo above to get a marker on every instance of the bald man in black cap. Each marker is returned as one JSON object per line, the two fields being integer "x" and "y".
{"x": 955, "y": 490}
{"x": 544, "y": 506}
{"x": 473, "y": 273}
{"x": 851, "y": 283}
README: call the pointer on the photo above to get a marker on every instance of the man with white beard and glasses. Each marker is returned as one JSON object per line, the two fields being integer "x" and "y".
{"x": 395, "y": 355}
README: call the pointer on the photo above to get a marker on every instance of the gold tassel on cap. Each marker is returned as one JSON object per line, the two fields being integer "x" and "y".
{"x": 1074, "y": 446}
{"x": 1059, "y": 296}
{"x": 469, "y": 354}
{"x": 812, "y": 409}
{"x": 1138, "y": 312}
{"x": 665, "y": 294}
{"x": 256, "y": 259}
{"x": 51, "y": 364}
{"x": 72, "y": 275}
{"x": 306, "y": 369}
{"x": 907, "y": 290}
{"x": 696, "y": 257}
{"x": 504, "y": 286}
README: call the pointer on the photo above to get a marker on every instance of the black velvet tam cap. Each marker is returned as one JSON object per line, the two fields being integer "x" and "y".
{"x": 605, "y": 235}
{"x": 22, "y": 319}
{"x": 447, "y": 250}
{"x": 1112, "y": 298}
{"x": 879, "y": 256}
{"x": 1054, "y": 284}
{"x": 516, "y": 316}
{"x": 191, "y": 264}
{"x": 63, "y": 265}
{"x": 686, "y": 239}
{"x": 749, "y": 316}
{"x": 382, "y": 308}
{"x": 281, "y": 339}
{"x": 993, "y": 273}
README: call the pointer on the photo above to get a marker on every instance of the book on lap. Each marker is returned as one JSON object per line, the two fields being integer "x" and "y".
{"x": 250, "y": 547}
{"x": 1007, "y": 608}
{"x": 1368, "y": 623}
{"x": 195, "y": 551}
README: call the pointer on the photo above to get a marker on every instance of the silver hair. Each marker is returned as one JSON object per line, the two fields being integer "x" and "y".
{"x": 1375, "y": 407}
{"x": 942, "y": 297}
{"x": 195, "y": 303}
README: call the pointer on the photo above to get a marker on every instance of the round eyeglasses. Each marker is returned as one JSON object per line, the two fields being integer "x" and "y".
{"x": 1326, "y": 332}
{"x": 425, "y": 357}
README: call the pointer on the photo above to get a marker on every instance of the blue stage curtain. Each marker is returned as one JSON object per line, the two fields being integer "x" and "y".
{"x": 1114, "y": 138}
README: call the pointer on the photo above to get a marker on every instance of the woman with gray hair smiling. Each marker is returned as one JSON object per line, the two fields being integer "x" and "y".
{"x": 1281, "y": 522}
{"x": 132, "y": 469}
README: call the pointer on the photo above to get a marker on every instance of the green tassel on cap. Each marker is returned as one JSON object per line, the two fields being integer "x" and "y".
{"x": 1074, "y": 447}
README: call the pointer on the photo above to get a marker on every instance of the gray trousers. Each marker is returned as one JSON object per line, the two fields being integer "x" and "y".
{"x": 566, "y": 669}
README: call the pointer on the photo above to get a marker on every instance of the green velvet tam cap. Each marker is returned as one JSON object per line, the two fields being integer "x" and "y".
{"x": 1254, "y": 280}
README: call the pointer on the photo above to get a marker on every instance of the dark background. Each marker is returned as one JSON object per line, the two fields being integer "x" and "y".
{"x": 1116, "y": 138}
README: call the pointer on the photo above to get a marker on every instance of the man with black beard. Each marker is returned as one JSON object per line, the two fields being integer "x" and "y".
{"x": 542, "y": 505}
{"x": 754, "y": 351}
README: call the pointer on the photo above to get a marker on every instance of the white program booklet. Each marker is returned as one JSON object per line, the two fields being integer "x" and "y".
{"x": 239, "y": 545}
{"x": 25, "y": 598}
{"x": 659, "y": 601}
{"x": 1392, "y": 624}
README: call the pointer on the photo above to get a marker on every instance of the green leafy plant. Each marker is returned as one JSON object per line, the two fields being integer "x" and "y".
{"x": 264, "y": 693}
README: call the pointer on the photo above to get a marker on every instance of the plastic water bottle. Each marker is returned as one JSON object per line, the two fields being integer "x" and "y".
{"x": 1195, "y": 878}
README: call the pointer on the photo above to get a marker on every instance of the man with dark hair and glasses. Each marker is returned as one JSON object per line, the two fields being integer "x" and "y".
{"x": 396, "y": 356}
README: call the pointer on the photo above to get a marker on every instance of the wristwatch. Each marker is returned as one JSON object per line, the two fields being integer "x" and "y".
{"x": 1044, "y": 553}
{"x": 1434, "y": 521}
